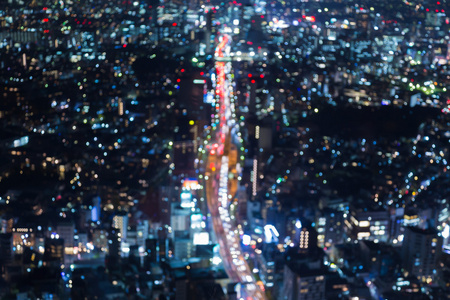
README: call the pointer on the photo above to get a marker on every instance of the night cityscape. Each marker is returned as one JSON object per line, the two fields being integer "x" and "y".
{"x": 235, "y": 150}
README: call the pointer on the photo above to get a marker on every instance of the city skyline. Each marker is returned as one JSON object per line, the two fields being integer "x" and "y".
{"x": 224, "y": 150}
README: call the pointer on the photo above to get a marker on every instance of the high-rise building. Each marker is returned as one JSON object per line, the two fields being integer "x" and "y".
{"x": 304, "y": 237}
{"x": 23, "y": 236}
{"x": 66, "y": 231}
{"x": 100, "y": 238}
{"x": 151, "y": 246}
{"x": 421, "y": 251}
{"x": 330, "y": 227}
{"x": 364, "y": 224}
{"x": 180, "y": 221}
{"x": 183, "y": 157}
{"x": 184, "y": 248}
{"x": 120, "y": 222}
{"x": 304, "y": 275}
{"x": 6, "y": 249}
{"x": 303, "y": 284}
{"x": 157, "y": 250}
{"x": 7, "y": 223}
{"x": 54, "y": 250}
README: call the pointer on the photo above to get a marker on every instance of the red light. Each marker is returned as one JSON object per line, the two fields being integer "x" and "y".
{"x": 46, "y": 31}
{"x": 45, "y": 8}
{"x": 427, "y": 9}
{"x": 438, "y": 3}
{"x": 313, "y": 19}
{"x": 124, "y": 45}
{"x": 261, "y": 76}
{"x": 412, "y": 80}
{"x": 45, "y": 20}
{"x": 253, "y": 81}
{"x": 250, "y": 75}
{"x": 182, "y": 70}
{"x": 262, "y": 17}
{"x": 174, "y": 24}
{"x": 202, "y": 73}
{"x": 178, "y": 80}
{"x": 437, "y": 10}
{"x": 442, "y": 10}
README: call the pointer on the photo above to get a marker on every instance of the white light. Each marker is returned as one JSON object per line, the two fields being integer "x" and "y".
{"x": 298, "y": 224}
{"x": 446, "y": 232}
{"x": 216, "y": 260}
{"x": 201, "y": 238}
{"x": 246, "y": 239}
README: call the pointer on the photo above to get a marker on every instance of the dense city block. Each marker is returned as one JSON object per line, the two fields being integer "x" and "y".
{"x": 235, "y": 150}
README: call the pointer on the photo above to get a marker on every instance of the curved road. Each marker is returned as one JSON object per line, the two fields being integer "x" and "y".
{"x": 219, "y": 185}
